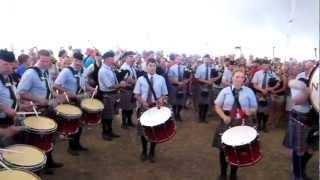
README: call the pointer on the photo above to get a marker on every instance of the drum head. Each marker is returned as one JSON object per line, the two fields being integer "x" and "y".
{"x": 68, "y": 110}
{"x": 40, "y": 123}
{"x": 315, "y": 89}
{"x": 26, "y": 155}
{"x": 92, "y": 104}
{"x": 154, "y": 116}
{"x": 239, "y": 135}
{"x": 17, "y": 175}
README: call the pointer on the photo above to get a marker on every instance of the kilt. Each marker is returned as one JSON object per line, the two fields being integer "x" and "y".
{"x": 127, "y": 100}
{"x": 296, "y": 137}
{"x": 178, "y": 96}
{"x": 109, "y": 101}
{"x": 222, "y": 127}
{"x": 265, "y": 109}
{"x": 205, "y": 96}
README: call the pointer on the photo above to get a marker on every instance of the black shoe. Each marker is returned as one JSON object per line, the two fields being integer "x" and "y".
{"x": 73, "y": 152}
{"x": 143, "y": 157}
{"x": 305, "y": 177}
{"x": 55, "y": 165}
{"x": 151, "y": 159}
{"x": 265, "y": 130}
{"x": 106, "y": 137}
{"x": 113, "y": 135}
{"x": 233, "y": 177}
{"x": 81, "y": 148}
{"x": 48, "y": 171}
{"x": 222, "y": 177}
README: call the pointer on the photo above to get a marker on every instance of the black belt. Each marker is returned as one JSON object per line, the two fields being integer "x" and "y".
{"x": 109, "y": 92}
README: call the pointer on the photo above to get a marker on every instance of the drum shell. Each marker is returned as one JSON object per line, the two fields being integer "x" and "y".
{"x": 160, "y": 133}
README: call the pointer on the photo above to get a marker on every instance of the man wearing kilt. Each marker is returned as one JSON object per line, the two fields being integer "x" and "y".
{"x": 205, "y": 95}
{"x": 127, "y": 100}
{"x": 233, "y": 104}
{"x": 108, "y": 87}
{"x": 301, "y": 121}
{"x": 178, "y": 90}
{"x": 36, "y": 86}
{"x": 70, "y": 81}
{"x": 147, "y": 99}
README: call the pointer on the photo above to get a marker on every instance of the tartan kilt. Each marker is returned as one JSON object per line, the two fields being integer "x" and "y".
{"x": 296, "y": 137}
{"x": 176, "y": 99}
{"x": 208, "y": 99}
{"x": 222, "y": 127}
{"x": 109, "y": 101}
{"x": 127, "y": 100}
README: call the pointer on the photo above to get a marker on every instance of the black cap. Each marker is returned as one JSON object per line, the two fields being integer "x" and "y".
{"x": 206, "y": 56}
{"x": 7, "y": 56}
{"x": 108, "y": 54}
{"x": 129, "y": 53}
{"x": 78, "y": 55}
{"x": 172, "y": 56}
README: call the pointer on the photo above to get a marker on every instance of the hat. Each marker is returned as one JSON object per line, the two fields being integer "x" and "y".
{"x": 206, "y": 56}
{"x": 128, "y": 53}
{"x": 108, "y": 54}
{"x": 7, "y": 56}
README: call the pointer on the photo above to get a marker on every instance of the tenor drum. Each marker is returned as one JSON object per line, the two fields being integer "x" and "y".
{"x": 158, "y": 125}
{"x": 68, "y": 118}
{"x": 17, "y": 175}
{"x": 315, "y": 89}
{"x": 92, "y": 109}
{"x": 241, "y": 146}
{"x": 25, "y": 157}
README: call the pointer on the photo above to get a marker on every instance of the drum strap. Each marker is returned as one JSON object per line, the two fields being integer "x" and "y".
{"x": 9, "y": 86}
{"x": 76, "y": 75}
{"x": 151, "y": 87}
{"x": 42, "y": 77}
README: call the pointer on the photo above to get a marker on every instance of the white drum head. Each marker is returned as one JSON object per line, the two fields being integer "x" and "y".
{"x": 17, "y": 175}
{"x": 154, "y": 116}
{"x": 239, "y": 135}
{"x": 40, "y": 123}
{"x": 315, "y": 89}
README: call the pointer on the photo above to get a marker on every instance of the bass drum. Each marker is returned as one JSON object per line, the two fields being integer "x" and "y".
{"x": 315, "y": 88}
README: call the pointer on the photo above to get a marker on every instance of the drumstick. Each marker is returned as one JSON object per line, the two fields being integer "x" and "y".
{"x": 26, "y": 113}
{"x": 13, "y": 151}
{"x": 5, "y": 166}
{"x": 65, "y": 94}
{"x": 34, "y": 109}
{"x": 94, "y": 92}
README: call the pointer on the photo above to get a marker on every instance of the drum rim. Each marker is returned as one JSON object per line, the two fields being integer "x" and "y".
{"x": 91, "y": 110}
{"x": 32, "y": 129}
{"x": 24, "y": 171}
{"x": 158, "y": 123}
{"x": 44, "y": 160}
{"x": 242, "y": 144}
{"x": 309, "y": 83}
{"x": 73, "y": 116}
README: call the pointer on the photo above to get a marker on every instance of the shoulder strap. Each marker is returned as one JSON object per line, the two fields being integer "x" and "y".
{"x": 38, "y": 71}
{"x": 150, "y": 86}
{"x": 2, "y": 80}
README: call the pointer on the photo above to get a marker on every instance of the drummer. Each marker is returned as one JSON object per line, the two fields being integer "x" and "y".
{"x": 127, "y": 100}
{"x": 230, "y": 100}
{"x": 300, "y": 123}
{"x": 71, "y": 82}
{"x": 108, "y": 87}
{"x": 147, "y": 100}
{"x": 178, "y": 90}
{"x": 35, "y": 86}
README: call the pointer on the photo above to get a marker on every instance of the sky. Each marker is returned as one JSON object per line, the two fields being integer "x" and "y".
{"x": 189, "y": 26}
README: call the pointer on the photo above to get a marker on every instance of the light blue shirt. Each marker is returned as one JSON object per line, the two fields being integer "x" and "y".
{"x": 132, "y": 71}
{"x": 68, "y": 80}
{"x": 174, "y": 72}
{"x": 225, "y": 98}
{"x": 5, "y": 98}
{"x": 201, "y": 71}
{"x": 159, "y": 86}
{"x": 106, "y": 78}
{"x": 259, "y": 76}
{"x": 227, "y": 75}
{"x": 305, "y": 107}
{"x": 31, "y": 83}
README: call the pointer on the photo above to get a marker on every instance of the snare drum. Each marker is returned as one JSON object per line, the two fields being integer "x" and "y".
{"x": 158, "y": 125}
{"x": 68, "y": 118}
{"x": 24, "y": 157}
{"x": 92, "y": 111}
{"x": 17, "y": 175}
{"x": 241, "y": 146}
{"x": 40, "y": 131}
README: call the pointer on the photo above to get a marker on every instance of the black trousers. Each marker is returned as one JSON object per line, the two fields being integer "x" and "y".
{"x": 176, "y": 111}
{"x": 127, "y": 117}
{"x": 224, "y": 165}
{"x": 106, "y": 126}
{"x": 262, "y": 120}
{"x": 74, "y": 139}
{"x": 299, "y": 163}
{"x": 203, "y": 110}
{"x": 144, "y": 143}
